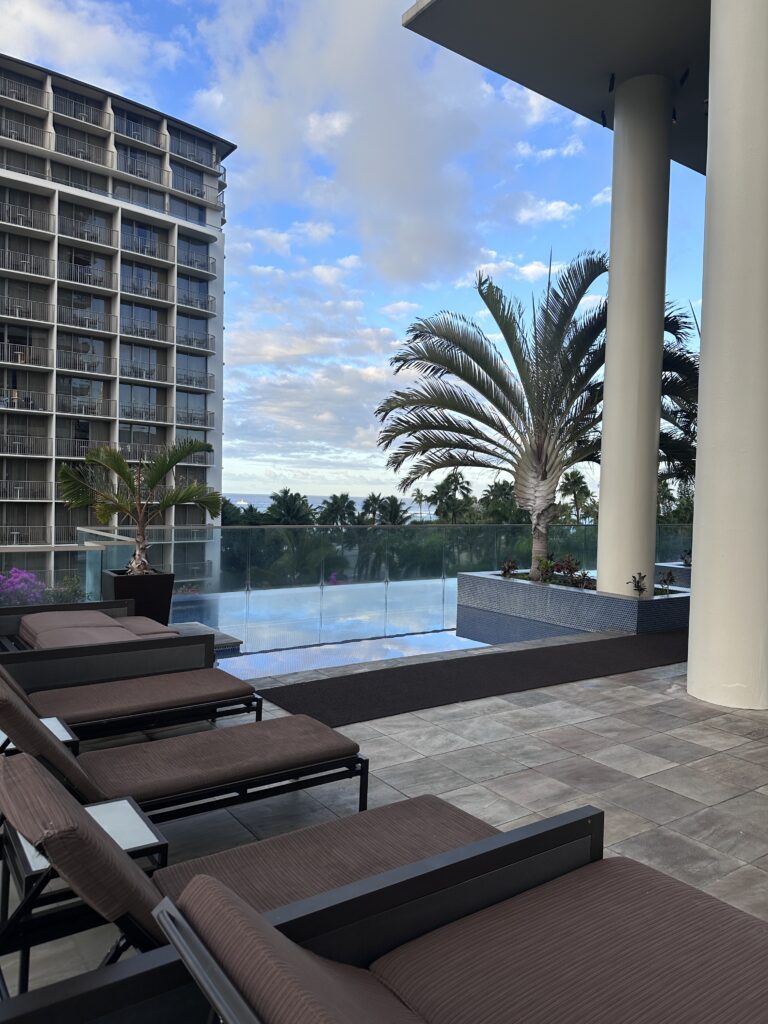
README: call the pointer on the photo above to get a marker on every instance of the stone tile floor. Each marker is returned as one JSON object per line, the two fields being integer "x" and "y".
{"x": 684, "y": 785}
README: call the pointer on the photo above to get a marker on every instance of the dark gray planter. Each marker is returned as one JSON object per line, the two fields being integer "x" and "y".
{"x": 496, "y": 610}
{"x": 151, "y": 595}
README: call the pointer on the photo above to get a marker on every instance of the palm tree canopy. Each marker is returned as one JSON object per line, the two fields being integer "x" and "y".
{"x": 394, "y": 511}
{"x": 338, "y": 510}
{"x": 289, "y": 508}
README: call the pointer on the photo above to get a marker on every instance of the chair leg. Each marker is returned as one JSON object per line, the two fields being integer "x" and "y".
{"x": 23, "y": 970}
{"x": 363, "y": 805}
{"x": 259, "y": 708}
{"x": 115, "y": 952}
{"x": 5, "y": 890}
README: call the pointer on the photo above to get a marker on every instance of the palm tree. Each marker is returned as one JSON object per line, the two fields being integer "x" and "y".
{"x": 498, "y": 503}
{"x": 139, "y": 494}
{"x": 452, "y": 496}
{"x": 372, "y": 507}
{"x": 289, "y": 508}
{"x": 537, "y": 417}
{"x": 665, "y": 498}
{"x": 394, "y": 512}
{"x": 574, "y": 486}
{"x": 338, "y": 510}
{"x": 421, "y": 500}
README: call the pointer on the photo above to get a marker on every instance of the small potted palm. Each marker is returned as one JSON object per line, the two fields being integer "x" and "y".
{"x": 140, "y": 494}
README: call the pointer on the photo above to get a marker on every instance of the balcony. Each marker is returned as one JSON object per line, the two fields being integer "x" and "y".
{"x": 26, "y": 355}
{"x": 25, "y": 401}
{"x": 192, "y": 533}
{"x": 23, "y": 217}
{"x": 75, "y": 448}
{"x": 85, "y": 362}
{"x": 147, "y": 289}
{"x": 139, "y": 132}
{"x": 88, "y": 231}
{"x": 189, "y": 379}
{"x": 142, "y": 169}
{"x": 193, "y": 570}
{"x": 25, "y": 133}
{"x": 197, "y": 154}
{"x": 25, "y": 490}
{"x": 191, "y": 339}
{"x": 24, "y": 535}
{"x": 88, "y": 319}
{"x": 77, "y": 405}
{"x": 26, "y": 309}
{"x": 151, "y": 247}
{"x": 26, "y": 263}
{"x": 139, "y": 371}
{"x": 25, "y": 444}
{"x": 205, "y": 302}
{"x": 198, "y": 459}
{"x": 146, "y": 413}
{"x": 81, "y": 111}
{"x": 93, "y": 277}
{"x": 23, "y": 93}
{"x": 134, "y": 452}
{"x": 191, "y": 187}
{"x": 194, "y": 417}
{"x": 143, "y": 329}
{"x": 83, "y": 150}
{"x": 205, "y": 264}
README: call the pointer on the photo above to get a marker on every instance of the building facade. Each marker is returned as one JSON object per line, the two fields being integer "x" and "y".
{"x": 111, "y": 302}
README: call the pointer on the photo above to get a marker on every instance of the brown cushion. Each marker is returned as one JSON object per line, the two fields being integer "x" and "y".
{"x": 181, "y": 764}
{"x": 283, "y": 983}
{"x": 19, "y": 722}
{"x": 140, "y": 625}
{"x": 611, "y": 943}
{"x": 33, "y": 625}
{"x": 326, "y": 856}
{"x": 95, "y": 701}
{"x": 91, "y": 863}
{"x": 82, "y": 636}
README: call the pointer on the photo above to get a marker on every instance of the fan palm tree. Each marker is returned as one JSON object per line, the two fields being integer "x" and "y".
{"x": 338, "y": 510}
{"x": 539, "y": 416}
{"x": 574, "y": 486}
{"x": 140, "y": 494}
{"x": 394, "y": 512}
{"x": 372, "y": 507}
{"x": 452, "y": 496}
{"x": 289, "y": 508}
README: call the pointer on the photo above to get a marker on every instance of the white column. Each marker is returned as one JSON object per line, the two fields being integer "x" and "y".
{"x": 728, "y": 646}
{"x": 632, "y": 404}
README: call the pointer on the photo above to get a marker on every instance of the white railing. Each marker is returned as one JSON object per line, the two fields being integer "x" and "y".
{"x": 25, "y": 490}
{"x": 142, "y": 329}
{"x": 26, "y": 309}
{"x": 26, "y": 263}
{"x": 23, "y": 92}
{"x": 26, "y": 355}
{"x": 188, "y": 379}
{"x": 23, "y": 217}
{"x": 147, "y": 246}
{"x": 206, "y": 302}
{"x": 91, "y": 320}
{"x": 85, "y": 362}
{"x": 77, "y": 405}
{"x": 194, "y": 417}
{"x": 88, "y": 231}
{"x": 10, "y": 534}
{"x": 189, "y": 339}
{"x": 28, "y": 133}
{"x": 139, "y": 371}
{"x": 96, "y": 277}
{"x": 139, "y": 132}
{"x": 81, "y": 111}
{"x": 147, "y": 413}
{"x": 147, "y": 290}
{"x": 25, "y": 444}
{"x": 83, "y": 150}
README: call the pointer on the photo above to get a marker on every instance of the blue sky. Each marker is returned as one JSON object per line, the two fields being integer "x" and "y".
{"x": 375, "y": 173}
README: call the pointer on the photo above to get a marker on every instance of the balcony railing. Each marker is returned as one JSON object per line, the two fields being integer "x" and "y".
{"x": 143, "y": 329}
{"x": 25, "y": 401}
{"x": 25, "y": 535}
{"x": 192, "y": 533}
{"x": 83, "y": 150}
{"x": 146, "y": 413}
{"x": 206, "y": 302}
{"x": 25, "y": 444}
{"x": 26, "y": 355}
{"x": 23, "y": 217}
{"x": 81, "y": 111}
{"x": 75, "y": 448}
{"x": 139, "y": 132}
{"x": 23, "y": 92}
{"x": 90, "y": 320}
{"x": 189, "y": 379}
{"x": 144, "y": 169}
{"x": 147, "y": 289}
{"x": 133, "y": 451}
{"x": 26, "y": 309}
{"x": 88, "y": 231}
{"x": 25, "y": 490}
{"x": 138, "y": 371}
{"x": 191, "y": 339}
{"x": 193, "y": 570}
{"x": 198, "y": 189}
{"x": 25, "y": 133}
{"x": 96, "y": 277}
{"x": 194, "y": 417}
{"x": 77, "y": 405}
{"x": 198, "y": 459}
{"x": 26, "y": 263}
{"x": 85, "y": 362}
{"x": 147, "y": 246}
{"x": 199, "y": 154}
{"x": 197, "y": 262}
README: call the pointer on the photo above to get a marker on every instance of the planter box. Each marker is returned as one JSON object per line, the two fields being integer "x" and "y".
{"x": 151, "y": 594}
{"x": 682, "y": 573}
{"x": 496, "y": 610}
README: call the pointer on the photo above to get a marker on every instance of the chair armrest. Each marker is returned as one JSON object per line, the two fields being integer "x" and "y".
{"x": 358, "y": 923}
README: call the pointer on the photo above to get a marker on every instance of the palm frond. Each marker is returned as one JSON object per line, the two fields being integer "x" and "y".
{"x": 164, "y": 462}
{"x": 194, "y": 493}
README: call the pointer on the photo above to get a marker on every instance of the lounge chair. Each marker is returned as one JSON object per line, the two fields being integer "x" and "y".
{"x": 117, "y": 706}
{"x": 44, "y": 630}
{"x": 184, "y": 775}
{"x": 266, "y": 874}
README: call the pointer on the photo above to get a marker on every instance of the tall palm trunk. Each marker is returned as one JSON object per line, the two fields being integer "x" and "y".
{"x": 139, "y": 564}
{"x": 536, "y": 481}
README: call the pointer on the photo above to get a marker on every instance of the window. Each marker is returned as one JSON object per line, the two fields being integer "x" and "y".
{"x": 86, "y": 216}
{"x": 141, "y": 433}
{"x": 188, "y": 179}
{"x": 193, "y": 252}
{"x": 192, "y": 291}
{"x": 79, "y": 177}
{"x": 82, "y": 300}
{"x": 137, "y": 161}
{"x": 186, "y": 210}
{"x": 80, "y": 388}
{"x": 140, "y": 196}
{"x": 23, "y": 163}
{"x": 191, "y": 328}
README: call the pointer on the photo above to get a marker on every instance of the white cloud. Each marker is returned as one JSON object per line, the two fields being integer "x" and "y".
{"x": 327, "y": 274}
{"x": 350, "y": 262}
{"x": 603, "y": 197}
{"x": 571, "y": 147}
{"x": 300, "y": 232}
{"x": 532, "y": 209}
{"x": 398, "y": 310}
{"x": 535, "y": 109}
{"x": 322, "y": 129}
{"x": 531, "y": 272}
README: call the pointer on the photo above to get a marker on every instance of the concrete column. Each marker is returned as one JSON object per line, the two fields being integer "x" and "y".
{"x": 632, "y": 404}
{"x": 728, "y": 646}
